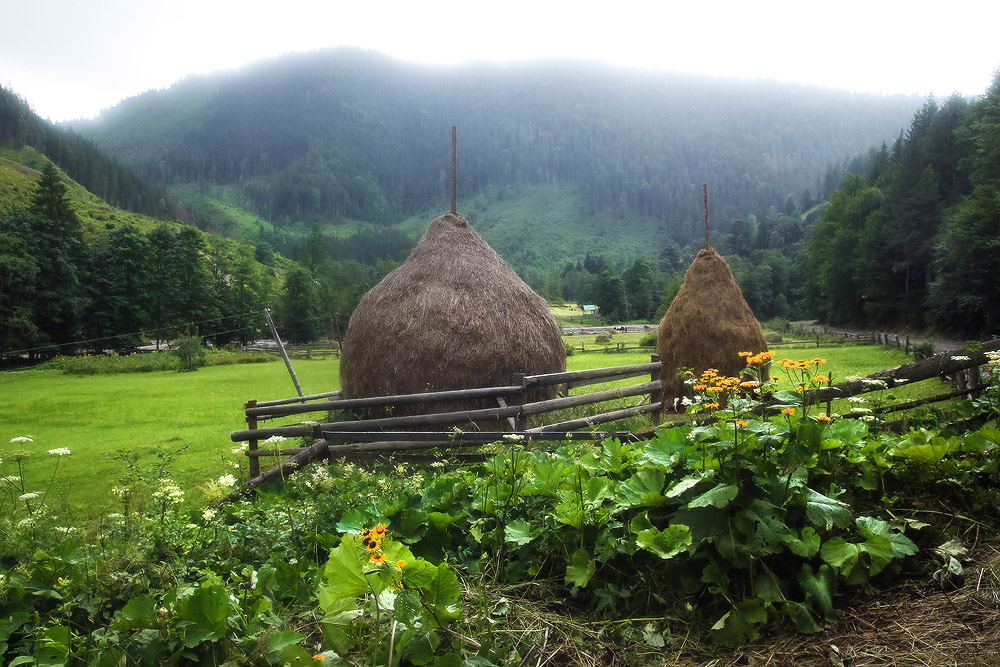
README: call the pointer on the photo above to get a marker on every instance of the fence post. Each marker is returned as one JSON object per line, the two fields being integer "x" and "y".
{"x": 252, "y": 446}
{"x": 520, "y": 421}
{"x": 654, "y": 396}
{"x": 907, "y": 344}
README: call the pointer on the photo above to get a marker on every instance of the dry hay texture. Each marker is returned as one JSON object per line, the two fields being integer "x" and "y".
{"x": 452, "y": 316}
{"x": 707, "y": 325}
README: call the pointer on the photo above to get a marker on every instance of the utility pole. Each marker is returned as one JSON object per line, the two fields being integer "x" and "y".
{"x": 454, "y": 170}
{"x": 281, "y": 349}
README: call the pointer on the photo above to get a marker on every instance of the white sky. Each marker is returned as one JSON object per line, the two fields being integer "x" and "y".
{"x": 72, "y": 58}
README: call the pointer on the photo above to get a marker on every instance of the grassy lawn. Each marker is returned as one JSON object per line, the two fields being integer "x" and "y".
{"x": 190, "y": 415}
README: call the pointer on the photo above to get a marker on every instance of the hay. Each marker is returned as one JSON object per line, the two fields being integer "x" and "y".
{"x": 452, "y": 316}
{"x": 706, "y": 326}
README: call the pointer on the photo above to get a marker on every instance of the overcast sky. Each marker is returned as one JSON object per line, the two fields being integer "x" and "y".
{"x": 72, "y": 58}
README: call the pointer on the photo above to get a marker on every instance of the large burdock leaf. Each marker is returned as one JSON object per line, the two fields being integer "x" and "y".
{"x": 664, "y": 543}
{"x": 443, "y": 594}
{"x": 720, "y": 496}
{"x": 642, "y": 489}
{"x": 580, "y": 569}
{"x": 202, "y": 611}
{"x": 825, "y": 512}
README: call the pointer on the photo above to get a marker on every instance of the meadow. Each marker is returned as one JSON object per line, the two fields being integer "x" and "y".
{"x": 188, "y": 417}
{"x": 704, "y": 539}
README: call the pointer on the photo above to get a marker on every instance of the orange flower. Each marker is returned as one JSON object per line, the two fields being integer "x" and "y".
{"x": 823, "y": 418}
{"x": 400, "y": 563}
{"x": 788, "y": 411}
{"x": 740, "y": 422}
{"x": 711, "y": 406}
{"x": 750, "y": 384}
{"x": 380, "y": 531}
{"x": 821, "y": 378}
{"x": 378, "y": 559}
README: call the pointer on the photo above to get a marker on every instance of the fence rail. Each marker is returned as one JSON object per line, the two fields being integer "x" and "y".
{"x": 510, "y": 399}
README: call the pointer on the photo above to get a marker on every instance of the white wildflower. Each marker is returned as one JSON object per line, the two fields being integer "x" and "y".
{"x": 59, "y": 451}
{"x": 242, "y": 448}
{"x": 253, "y": 579}
{"x": 437, "y": 464}
{"x": 21, "y": 439}
{"x": 118, "y": 491}
{"x": 961, "y": 357}
{"x": 861, "y": 410}
{"x": 513, "y": 437}
{"x": 115, "y": 515}
{"x": 29, "y": 496}
{"x": 227, "y": 481}
{"x": 191, "y": 526}
{"x": 275, "y": 439}
{"x": 686, "y": 401}
{"x": 65, "y": 530}
{"x": 168, "y": 492}
{"x": 11, "y": 479}
{"x": 208, "y": 514}
{"x": 856, "y": 399}
{"x": 874, "y": 382}
{"x": 26, "y": 522}
{"x": 868, "y": 418}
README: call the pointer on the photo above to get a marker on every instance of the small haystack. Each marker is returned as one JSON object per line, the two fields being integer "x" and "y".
{"x": 452, "y": 316}
{"x": 706, "y": 326}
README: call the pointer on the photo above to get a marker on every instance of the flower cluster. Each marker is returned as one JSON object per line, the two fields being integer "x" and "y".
{"x": 371, "y": 540}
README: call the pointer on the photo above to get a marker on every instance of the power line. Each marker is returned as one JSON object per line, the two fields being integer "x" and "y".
{"x": 133, "y": 333}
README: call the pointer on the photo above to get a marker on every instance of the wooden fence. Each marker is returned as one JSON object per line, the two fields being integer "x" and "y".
{"x": 362, "y": 438}
{"x": 511, "y": 407}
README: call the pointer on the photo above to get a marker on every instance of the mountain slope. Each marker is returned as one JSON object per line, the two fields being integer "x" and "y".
{"x": 346, "y": 134}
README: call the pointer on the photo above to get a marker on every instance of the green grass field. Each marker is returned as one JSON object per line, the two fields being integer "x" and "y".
{"x": 190, "y": 415}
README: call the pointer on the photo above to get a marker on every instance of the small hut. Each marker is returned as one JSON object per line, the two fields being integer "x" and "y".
{"x": 452, "y": 316}
{"x": 708, "y": 324}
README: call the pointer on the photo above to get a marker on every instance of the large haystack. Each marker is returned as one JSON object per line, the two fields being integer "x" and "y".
{"x": 452, "y": 316}
{"x": 707, "y": 326}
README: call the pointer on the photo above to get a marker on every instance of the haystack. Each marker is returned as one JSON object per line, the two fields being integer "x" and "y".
{"x": 452, "y": 316}
{"x": 708, "y": 324}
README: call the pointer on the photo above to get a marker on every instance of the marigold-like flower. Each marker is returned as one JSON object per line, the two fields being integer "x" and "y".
{"x": 745, "y": 354}
{"x": 380, "y": 531}
{"x": 714, "y": 390}
{"x": 750, "y": 384}
{"x": 821, "y": 378}
{"x": 824, "y": 418}
{"x": 700, "y": 387}
{"x": 788, "y": 411}
{"x": 319, "y": 657}
{"x": 377, "y": 559}
{"x": 741, "y": 422}
{"x": 711, "y": 406}
{"x": 819, "y": 360}
{"x": 400, "y": 563}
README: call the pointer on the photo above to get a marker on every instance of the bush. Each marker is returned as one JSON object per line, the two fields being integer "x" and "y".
{"x": 922, "y": 350}
{"x": 191, "y": 353}
{"x": 648, "y": 339}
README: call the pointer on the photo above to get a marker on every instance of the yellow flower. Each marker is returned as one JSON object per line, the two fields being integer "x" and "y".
{"x": 740, "y": 422}
{"x": 800, "y": 388}
{"x": 400, "y": 563}
{"x": 699, "y": 387}
{"x": 818, "y": 361}
{"x": 821, "y": 378}
{"x": 319, "y": 657}
{"x": 377, "y": 558}
{"x": 750, "y": 384}
{"x": 688, "y": 372}
{"x": 823, "y": 418}
{"x": 380, "y": 531}
{"x": 714, "y": 390}
{"x": 711, "y": 406}
{"x": 788, "y": 411}
{"x": 745, "y": 354}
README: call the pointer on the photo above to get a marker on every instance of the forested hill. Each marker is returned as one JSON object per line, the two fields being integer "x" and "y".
{"x": 329, "y": 135}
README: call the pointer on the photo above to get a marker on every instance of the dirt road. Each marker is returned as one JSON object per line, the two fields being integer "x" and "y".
{"x": 941, "y": 344}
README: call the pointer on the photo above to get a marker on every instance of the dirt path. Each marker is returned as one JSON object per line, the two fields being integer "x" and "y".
{"x": 940, "y": 344}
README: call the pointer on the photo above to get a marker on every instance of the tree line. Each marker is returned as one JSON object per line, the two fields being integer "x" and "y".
{"x": 80, "y": 158}
{"x": 914, "y": 238}
{"x": 62, "y": 294}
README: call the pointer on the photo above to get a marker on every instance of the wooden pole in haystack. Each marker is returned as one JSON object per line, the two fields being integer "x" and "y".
{"x": 705, "y": 188}
{"x": 454, "y": 170}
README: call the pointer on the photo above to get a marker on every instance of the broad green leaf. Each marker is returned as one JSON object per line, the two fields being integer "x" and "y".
{"x": 344, "y": 569}
{"x": 663, "y": 450}
{"x": 443, "y": 596}
{"x": 279, "y": 640}
{"x": 202, "y": 612}
{"x": 801, "y": 616}
{"x": 580, "y": 568}
{"x": 742, "y": 624}
{"x": 139, "y": 612}
{"x": 519, "y": 532}
{"x": 353, "y": 521}
{"x": 720, "y": 496}
{"x": 666, "y": 543}
{"x": 642, "y": 489}
{"x": 819, "y": 589}
{"x": 787, "y": 397}
{"x": 825, "y": 512}
{"x": 683, "y": 485}
{"x": 901, "y": 545}
{"x": 806, "y": 544}
{"x": 763, "y": 526}
{"x": 847, "y": 431}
